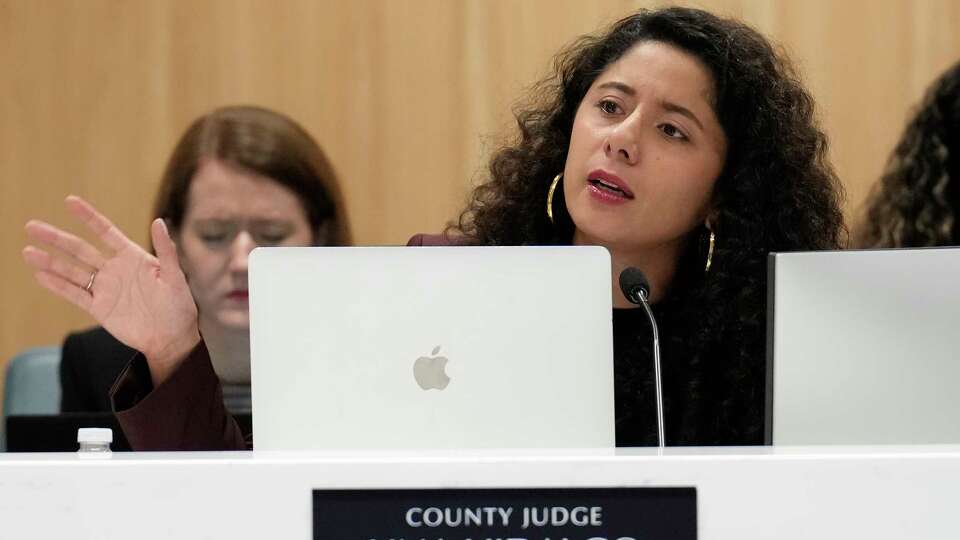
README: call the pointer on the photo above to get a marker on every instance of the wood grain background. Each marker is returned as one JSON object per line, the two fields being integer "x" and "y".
{"x": 406, "y": 96}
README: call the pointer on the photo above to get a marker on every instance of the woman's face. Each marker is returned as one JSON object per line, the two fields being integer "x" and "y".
{"x": 229, "y": 212}
{"x": 645, "y": 151}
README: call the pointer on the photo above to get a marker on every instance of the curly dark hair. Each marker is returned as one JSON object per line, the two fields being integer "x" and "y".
{"x": 777, "y": 192}
{"x": 914, "y": 203}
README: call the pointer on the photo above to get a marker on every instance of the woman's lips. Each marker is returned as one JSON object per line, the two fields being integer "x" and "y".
{"x": 240, "y": 296}
{"x": 608, "y": 187}
{"x": 605, "y": 195}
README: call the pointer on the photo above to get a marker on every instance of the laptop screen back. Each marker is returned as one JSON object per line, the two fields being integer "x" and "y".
{"x": 433, "y": 347}
{"x": 864, "y": 347}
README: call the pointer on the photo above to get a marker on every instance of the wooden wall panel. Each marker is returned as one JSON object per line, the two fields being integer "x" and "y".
{"x": 407, "y": 96}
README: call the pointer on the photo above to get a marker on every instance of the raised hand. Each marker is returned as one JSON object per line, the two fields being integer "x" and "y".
{"x": 142, "y": 300}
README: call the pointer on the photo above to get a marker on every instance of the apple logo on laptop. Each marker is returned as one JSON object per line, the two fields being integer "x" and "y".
{"x": 429, "y": 372}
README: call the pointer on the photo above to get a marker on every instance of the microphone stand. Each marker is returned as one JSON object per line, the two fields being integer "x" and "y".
{"x": 636, "y": 289}
{"x": 656, "y": 368}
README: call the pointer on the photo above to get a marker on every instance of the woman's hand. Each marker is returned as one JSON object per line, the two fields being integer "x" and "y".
{"x": 142, "y": 300}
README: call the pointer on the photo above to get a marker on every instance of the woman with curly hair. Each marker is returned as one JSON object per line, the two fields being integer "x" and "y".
{"x": 688, "y": 148}
{"x": 681, "y": 142}
{"x": 915, "y": 202}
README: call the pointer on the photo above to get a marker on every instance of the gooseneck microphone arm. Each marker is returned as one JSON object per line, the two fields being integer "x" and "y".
{"x": 637, "y": 290}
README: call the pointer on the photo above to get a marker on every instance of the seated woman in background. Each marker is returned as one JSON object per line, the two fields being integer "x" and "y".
{"x": 916, "y": 201}
{"x": 240, "y": 177}
{"x": 680, "y": 141}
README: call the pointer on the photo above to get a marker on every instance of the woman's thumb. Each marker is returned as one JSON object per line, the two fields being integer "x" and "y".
{"x": 166, "y": 249}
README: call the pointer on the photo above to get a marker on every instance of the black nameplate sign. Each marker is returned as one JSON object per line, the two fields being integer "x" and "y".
{"x": 506, "y": 514}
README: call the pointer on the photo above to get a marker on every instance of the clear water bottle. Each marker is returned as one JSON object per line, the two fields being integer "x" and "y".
{"x": 94, "y": 440}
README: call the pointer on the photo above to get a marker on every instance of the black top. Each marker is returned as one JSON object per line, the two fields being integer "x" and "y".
{"x": 91, "y": 361}
{"x": 694, "y": 390}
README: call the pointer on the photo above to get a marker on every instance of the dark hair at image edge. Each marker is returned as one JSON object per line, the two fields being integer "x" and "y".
{"x": 914, "y": 203}
{"x": 777, "y": 191}
{"x": 266, "y": 143}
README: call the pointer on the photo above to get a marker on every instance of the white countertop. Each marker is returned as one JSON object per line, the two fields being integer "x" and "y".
{"x": 755, "y": 492}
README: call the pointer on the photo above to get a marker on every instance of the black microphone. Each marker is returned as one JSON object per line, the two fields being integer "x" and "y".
{"x": 634, "y": 285}
{"x": 637, "y": 290}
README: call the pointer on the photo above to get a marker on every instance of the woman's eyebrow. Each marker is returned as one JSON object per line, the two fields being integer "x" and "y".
{"x": 668, "y": 106}
{"x": 617, "y": 85}
{"x": 214, "y": 220}
{"x": 267, "y": 222}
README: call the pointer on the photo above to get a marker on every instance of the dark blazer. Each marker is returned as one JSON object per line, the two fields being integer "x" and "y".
{"x": 91, "y": 362}
{"x": 434, "y": 240}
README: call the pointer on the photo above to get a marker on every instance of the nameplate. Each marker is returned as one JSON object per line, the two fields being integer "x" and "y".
{"x": 506, "y": 514}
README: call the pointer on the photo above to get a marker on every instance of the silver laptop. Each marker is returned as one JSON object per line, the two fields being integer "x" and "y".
{"x": 864, "y": 347}
{"x": 431, "y": 347}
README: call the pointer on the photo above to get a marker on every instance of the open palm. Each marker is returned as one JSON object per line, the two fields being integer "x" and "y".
{"x": 142, "y": 300}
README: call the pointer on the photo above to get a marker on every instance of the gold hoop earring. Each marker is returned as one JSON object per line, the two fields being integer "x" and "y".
{"x": 553, "y": 187}
{"x": 713, "y": 239}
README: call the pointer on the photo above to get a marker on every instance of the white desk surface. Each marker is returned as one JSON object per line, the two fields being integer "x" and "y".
{"x": 891, "y": 492}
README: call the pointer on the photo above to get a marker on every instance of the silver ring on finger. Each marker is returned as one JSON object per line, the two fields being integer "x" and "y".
{"x": 89, "y": 286}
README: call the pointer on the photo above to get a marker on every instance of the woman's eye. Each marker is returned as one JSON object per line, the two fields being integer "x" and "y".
{"x": 608, "y": 107}
{"x": 214, "y": 233}
{"x": 270, "y": 235}
{"x": 672, "y": 131}
{"x": 213, "y": 238}
{"x": 270, "y": 239}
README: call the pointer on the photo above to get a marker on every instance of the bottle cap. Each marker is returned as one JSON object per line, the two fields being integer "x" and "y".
{"x": 94, "y": 435}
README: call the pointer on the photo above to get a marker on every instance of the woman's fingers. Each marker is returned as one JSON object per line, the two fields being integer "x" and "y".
{"x": 98, "y": 223}
{"x": 41, "y": 260}
{"x": 166, "y": 249}
{"x": 74, "y": 246}
{"x": 72, "y": 293}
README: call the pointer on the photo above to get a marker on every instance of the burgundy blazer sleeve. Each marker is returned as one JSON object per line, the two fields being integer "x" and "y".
{"x": 434, "y": 240}
{"x": 185, "y": 412}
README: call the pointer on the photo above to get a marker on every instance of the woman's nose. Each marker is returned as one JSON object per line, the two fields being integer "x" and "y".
{"x": 240, "y": 250}
{"x": 623, "y": 143}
